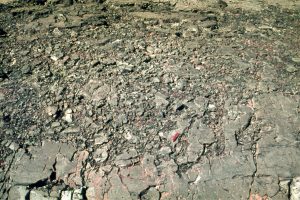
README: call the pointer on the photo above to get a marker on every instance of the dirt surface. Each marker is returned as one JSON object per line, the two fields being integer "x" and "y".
{"x": 150, "y": 100}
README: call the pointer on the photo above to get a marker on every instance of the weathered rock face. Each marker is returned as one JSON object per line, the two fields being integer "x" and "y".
{"x": 186, "y": 5}
{"x": 149, "y": 100}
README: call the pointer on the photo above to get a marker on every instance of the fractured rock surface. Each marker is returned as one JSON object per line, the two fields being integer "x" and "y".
{"x": 149, "y": 100}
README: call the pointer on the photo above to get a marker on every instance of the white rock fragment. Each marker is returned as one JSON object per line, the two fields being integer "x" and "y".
{"x": 101, "y": 139}
{"x": 295, "y": 189}
{"x": 51, "y": 110}
{"x": 165, "y": 151}
{"x": 66, "y": 195}
{"x": 68, "y": 116}
{"x": 77, "y": 194}
{"x": 13, "y": 146}
{"x": 211, "y": 107}
{"x": 54, "y": 58}
{"x": 128, "y": 135}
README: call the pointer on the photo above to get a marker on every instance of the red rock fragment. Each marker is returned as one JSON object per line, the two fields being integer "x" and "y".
{"x": 175, "y": 136}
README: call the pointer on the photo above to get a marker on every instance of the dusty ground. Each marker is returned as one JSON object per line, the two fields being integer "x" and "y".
{"x": 150, "y": 100}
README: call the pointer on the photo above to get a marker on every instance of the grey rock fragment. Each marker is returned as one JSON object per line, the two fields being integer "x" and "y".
{"x": 95, "y": 90}
{"x": 151, "y": 194}
{"x": 165, "y": 151}
{"x": 101, "y": 93}
{"x": 268, "y": 78}
{"x": 101, "y": 154}
{"x": 228, "y": 167}
{"x": 17, "y": 192}
{"x": 122, "y": 119}
{"x": 201, "y": 133}
{"x": 182, "y": 123}
{"x": 172, "y": 186}
{"x": 63, "y": 166}
{"x": 28, "y": 170}
{"x": 237, "y": 164}
{"x": 26, "y": 69}
{"x": 285, "y": 165}
{"x": 125, "y": 67}
{"x": 201, "y": 104}
{"x": 279, "y": 139}
{"x": 57, "y": 32}
{"x": 136, "y": 180}
{"x": 265, "y": 185}
{"x": 113, "y": 100}
{"x": 211, "y": 107}
{"x": 161, "y": 100}
{"x": 238, "y": 119}
{"x": 168, "y": 166}
{"x": 55, "y": 192}
{"x": 155, "y": 80}
{"x": 194, "y": 151}
{"x": 127, "y": 158}
{"x": 296, "y": 60}
{"x": 291, "y": 69}
{"x": 71, "y": 130}
{"x": 40, "y": 195}
{"x": 236, "y": 188}
{"x": 117, "y": 190}
{"x": 74, "y": 177}
{"x": 101, "y": 139}
{"x": 197, "y": 173}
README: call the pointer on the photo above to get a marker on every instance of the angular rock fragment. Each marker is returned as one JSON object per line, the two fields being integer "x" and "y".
{"x": 201, "y": 104}
{"x": 238, "y": 120}
{"x": 68, "y": 116}
{"x": 101, "y": 154}
{"x": 63, "y": 166}
{"x": 201, "y": 133}
{"x": 40, "y": 195}
{"x": 77, "y": 194}
{"x": 127, "y": 158}
{"x": 18, "y": 192}
{"x": 74, "y": 178}
{"x": 265, "y": 186}
{"x": 232, "y": 188}
{"x": 39, "y": 166}
{"x": 171, "y": 185}
{"x": 118, "y": 190}
{"x": 151, "y": 193}
{"x": 295, "y": 189}
{"x": 161, "y": 100}
{"x": 279, "y": 138}
{"x": 66, "y": 195}
{"x": 97, "y": 184}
